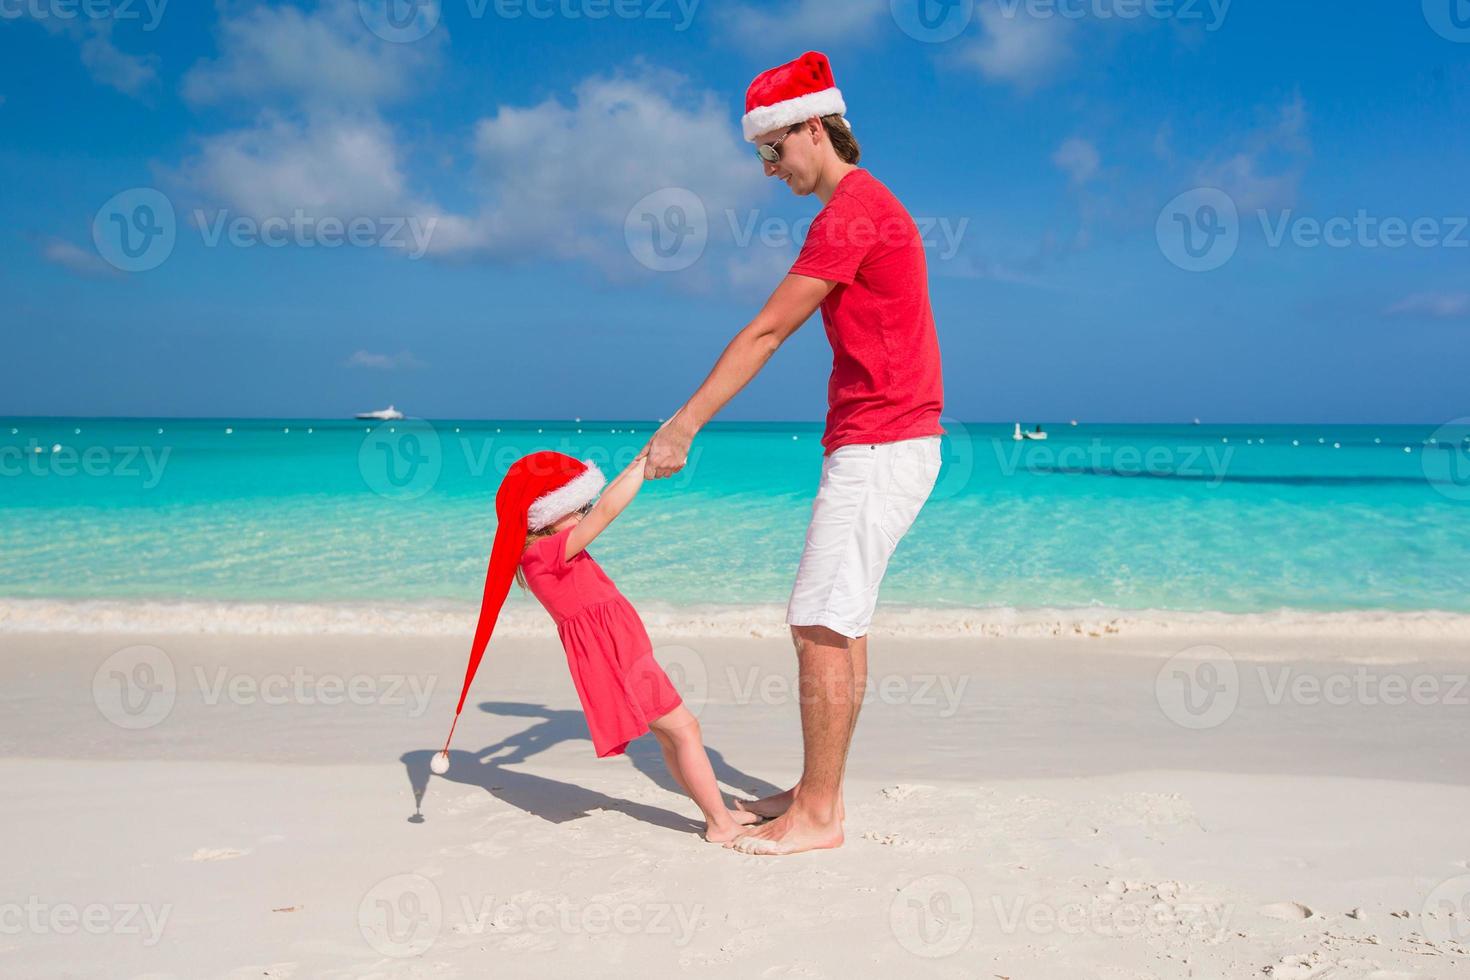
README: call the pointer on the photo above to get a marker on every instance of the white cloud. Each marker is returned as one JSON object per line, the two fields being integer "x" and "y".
{"x": 326, "y": 57}
{"x": 620, "y": 139}
{"x": 1266, "y": 170}
{"x": 1436, "y": 306}
{"x": 338, "y": 166}
{"x": 83, "y": 262}
{"x": 1019, "y": 49}
{"x": 1078, "y": 159}
{"x": 383, "y": 362}
{"x": 815, "y": 22}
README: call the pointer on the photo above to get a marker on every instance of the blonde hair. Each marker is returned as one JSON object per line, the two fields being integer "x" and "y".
{"x": 533, "y": 536}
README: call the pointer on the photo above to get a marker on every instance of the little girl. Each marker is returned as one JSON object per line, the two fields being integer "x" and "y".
{"x": 547, "y": 520}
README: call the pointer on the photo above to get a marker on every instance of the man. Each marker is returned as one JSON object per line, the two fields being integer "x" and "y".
{"x": 863, "y": 265}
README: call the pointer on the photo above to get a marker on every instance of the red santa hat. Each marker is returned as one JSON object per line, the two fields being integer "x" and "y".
{"x": 790, "y": 93}
{"x": 538, "y": 490}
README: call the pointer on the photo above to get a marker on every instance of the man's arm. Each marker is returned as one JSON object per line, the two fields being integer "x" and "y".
{"x": 791, "y": 305}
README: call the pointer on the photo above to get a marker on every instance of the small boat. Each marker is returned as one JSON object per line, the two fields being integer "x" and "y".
{"x": 1021, "y": 434}
{"x": 389, "y": 414}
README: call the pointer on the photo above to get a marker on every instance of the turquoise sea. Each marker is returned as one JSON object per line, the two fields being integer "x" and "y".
{"x": 1191, "y": 517}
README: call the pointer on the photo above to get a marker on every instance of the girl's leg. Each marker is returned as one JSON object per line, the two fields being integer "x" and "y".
{"x": 671, "y": 761}
{"x": 678, "y": 733}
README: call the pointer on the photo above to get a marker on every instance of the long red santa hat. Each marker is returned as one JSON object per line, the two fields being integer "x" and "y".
{"x": 538, "y": 490}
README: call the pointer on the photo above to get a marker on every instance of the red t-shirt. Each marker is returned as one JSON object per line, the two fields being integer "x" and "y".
{"x": 886, "y": 380}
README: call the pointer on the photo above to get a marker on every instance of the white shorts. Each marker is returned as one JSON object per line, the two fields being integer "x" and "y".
{"x": 869, "y": 496}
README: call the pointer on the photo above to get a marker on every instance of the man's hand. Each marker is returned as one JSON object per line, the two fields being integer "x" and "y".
{"x": 668, "y": 450}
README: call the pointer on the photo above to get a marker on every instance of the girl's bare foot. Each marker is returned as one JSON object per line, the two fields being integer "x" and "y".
{"x": 731, "y": 828}
{"x": 770, "y": 807}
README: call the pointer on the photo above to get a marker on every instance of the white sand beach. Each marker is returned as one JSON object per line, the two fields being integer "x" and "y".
{"x": 227, "y": 805}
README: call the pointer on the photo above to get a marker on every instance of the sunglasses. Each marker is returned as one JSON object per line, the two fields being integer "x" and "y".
{"x": 771, "y": 152}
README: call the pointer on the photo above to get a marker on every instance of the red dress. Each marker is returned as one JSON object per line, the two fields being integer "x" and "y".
{"x": 620, "y": 684}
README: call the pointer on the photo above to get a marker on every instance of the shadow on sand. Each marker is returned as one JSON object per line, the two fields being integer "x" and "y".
{"x": 551, "y": 799}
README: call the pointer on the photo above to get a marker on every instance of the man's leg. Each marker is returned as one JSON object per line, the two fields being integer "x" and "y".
{"x": 825, "y": 668}
{"x": 778, "y": 803}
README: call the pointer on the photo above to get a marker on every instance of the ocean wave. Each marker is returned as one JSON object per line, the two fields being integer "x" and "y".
{"x": 111, "y": 616}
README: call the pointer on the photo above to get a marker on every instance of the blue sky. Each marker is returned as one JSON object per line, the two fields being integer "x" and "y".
{"x": 1057, "y": 155}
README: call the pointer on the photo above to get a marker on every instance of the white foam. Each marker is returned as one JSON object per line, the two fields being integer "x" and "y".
{"x": 755, "y": 621}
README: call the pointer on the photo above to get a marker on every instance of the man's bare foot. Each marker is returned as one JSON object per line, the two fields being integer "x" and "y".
{"x": 791, "y": 833}
{"x": 771, "y": 807}
{"x": 731, "y": 828}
